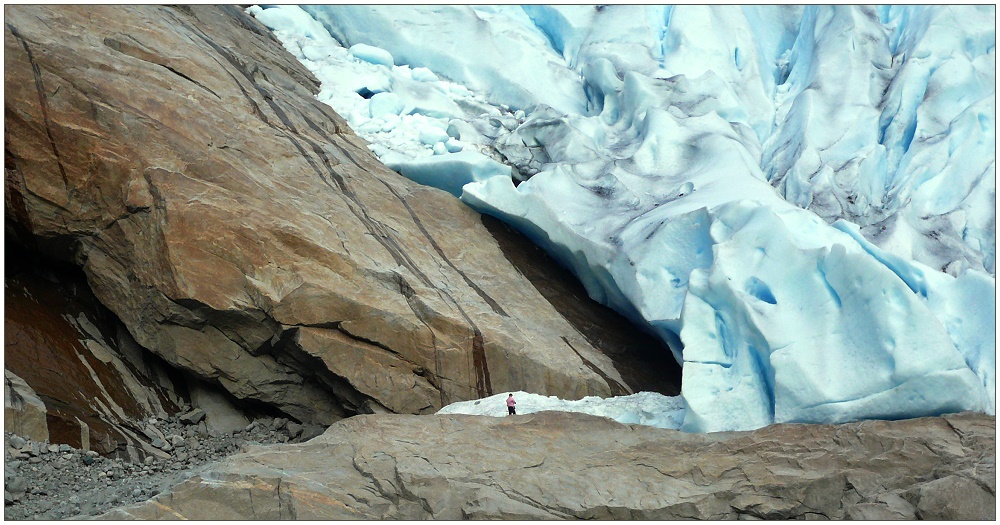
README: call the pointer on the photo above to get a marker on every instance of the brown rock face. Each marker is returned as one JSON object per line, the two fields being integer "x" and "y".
{"x": 243, "y": 233}
{"x": 553, "y": 465}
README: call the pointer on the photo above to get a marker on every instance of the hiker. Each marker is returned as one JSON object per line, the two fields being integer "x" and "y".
{"x": 510, "y": 405}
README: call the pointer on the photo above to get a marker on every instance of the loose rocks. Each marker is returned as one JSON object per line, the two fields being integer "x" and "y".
{"x": 56, "y": 481}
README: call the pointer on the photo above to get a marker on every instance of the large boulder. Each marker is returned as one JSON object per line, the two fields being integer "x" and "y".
{"x": 551, "y": 465}
{"x": 244, "y": 234}
{"x": 23, "y": 411}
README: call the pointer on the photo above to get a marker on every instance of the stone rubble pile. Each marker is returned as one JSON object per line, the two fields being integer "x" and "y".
{"x": 55, "y": 481}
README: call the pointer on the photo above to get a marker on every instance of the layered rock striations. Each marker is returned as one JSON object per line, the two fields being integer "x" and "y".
{"x": 553, "y": 465}
{"x": 244, "y": 234}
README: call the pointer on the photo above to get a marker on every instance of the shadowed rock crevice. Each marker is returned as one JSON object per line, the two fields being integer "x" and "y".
{"x": 96, "y": 384}
{"x": 644, "y": 362}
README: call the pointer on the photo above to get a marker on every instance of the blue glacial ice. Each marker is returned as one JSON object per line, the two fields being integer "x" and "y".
{"x": 799, "y": 200}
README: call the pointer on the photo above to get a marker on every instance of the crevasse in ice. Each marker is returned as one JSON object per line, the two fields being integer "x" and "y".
{"x": 799, "y": 200}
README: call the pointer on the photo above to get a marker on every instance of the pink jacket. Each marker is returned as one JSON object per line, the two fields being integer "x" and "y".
{"x": 511, "y": 402}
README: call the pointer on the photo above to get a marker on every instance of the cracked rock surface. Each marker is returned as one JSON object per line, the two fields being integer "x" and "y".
{"x": 551, "y": 465}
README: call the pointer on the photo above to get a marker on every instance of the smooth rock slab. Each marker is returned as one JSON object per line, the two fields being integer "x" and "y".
{"x": 552, "y": 465}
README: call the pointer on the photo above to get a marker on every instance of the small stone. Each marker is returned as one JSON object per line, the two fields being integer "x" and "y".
{"x": 65, "y": 448}
{"x": 92, "y": 453}
{"x": 17, "y": 441}
{"x": 53, "y": 448}
{"x": 193, "y": 417}
{"x": 87, "y": 460}
{"x": 158, "y": 443}
{"x": 16, "y": 485}
{"x": 294, "y": 429}
{"x": 153, "y": 433}
{"x": 175, "y": 440}
{"x": 149, "y": 460}
{"x": 35, "y": 460}
{"x": 280, "y": 422}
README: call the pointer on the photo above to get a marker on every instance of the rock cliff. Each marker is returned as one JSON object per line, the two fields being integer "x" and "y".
{"x": 552, "y": 465}
{"x": 242, "y": 233}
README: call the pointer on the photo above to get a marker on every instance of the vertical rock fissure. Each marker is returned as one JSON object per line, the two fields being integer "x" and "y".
{"x": 484, "y": 386}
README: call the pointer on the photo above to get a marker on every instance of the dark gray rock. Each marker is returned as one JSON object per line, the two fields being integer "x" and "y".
{"x": 16, "y": 442}
{"x": 16, "y": 485}
{"x": 311, "y": 431}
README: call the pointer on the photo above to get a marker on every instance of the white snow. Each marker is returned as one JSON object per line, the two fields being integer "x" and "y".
{"x": 799, "y": 200}
{"x": 643, "y": 408}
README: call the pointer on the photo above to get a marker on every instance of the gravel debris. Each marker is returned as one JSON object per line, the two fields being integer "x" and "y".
{"x": 49, "y": 481}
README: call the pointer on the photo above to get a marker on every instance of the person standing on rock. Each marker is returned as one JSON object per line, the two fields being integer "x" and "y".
{"x": 510, "y": 405}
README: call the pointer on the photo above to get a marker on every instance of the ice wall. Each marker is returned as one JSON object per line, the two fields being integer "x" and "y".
{"x": 799, "y": 200}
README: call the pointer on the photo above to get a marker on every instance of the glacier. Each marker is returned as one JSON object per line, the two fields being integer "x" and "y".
{"x": 798, "y": 200}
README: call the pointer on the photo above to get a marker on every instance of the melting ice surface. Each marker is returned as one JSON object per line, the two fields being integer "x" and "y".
{"x": 799, "y": 200}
